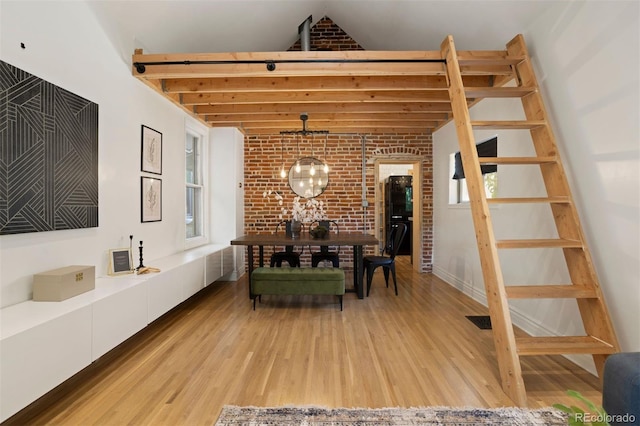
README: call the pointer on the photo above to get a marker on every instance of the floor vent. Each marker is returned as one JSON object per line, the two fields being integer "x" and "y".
{"x": 481, "y": 321}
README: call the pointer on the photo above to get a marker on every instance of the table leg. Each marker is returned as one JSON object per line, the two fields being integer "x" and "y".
{"x": 261, "y": 251}
{"x": 250, "y": 267}
{"x": 358, "y": 271}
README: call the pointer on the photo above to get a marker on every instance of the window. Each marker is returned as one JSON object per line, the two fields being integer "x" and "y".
{"x": 195, "y": 190}
{"x": 458, "y": 192}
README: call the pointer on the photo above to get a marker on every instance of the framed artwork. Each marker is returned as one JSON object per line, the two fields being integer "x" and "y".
{"x": 120, "y": 261}
{"x": 150, "y": 199}
{"x": 151, "y": 156}
{"x": 48, "y": 156}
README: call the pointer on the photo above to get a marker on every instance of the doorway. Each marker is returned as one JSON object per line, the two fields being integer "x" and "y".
{"x": 384, "y": 169}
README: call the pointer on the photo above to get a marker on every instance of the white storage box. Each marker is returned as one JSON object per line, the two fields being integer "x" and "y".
{"x": 60, "y": 284}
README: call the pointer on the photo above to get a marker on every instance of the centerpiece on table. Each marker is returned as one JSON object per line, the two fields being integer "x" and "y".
{"x": 302, "y": 211}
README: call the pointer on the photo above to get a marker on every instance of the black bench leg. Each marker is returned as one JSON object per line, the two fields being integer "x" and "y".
{"x": 340, "y": 296}
{"x": 254, "y": 302}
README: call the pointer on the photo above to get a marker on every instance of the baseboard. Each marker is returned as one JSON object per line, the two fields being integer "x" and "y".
{"x": 518, "y": 318}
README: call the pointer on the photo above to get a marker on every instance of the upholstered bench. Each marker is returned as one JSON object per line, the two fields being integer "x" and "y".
{"x": 291, "y": 281}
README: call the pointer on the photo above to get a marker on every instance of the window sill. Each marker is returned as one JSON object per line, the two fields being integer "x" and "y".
{"x": 195, "y": 242}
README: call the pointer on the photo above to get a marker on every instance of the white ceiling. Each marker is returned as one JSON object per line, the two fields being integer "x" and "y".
{"x": 207, "y": 26}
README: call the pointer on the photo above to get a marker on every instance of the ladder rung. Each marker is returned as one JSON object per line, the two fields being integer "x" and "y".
{"x": 498, "y": 92}
{"x": 522, "y": 124}
{"x": 550, "y": 292}
{"x": 489, "y": 60}
{"x": 524, "y": 200}
{"x": 490, "y": 70}
{"x": 517, "y": 160}
{"x": 539, "y": 243}
{"x": 558, "y": 345}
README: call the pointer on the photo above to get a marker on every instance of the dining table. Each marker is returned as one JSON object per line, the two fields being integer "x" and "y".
{"x": 357, "y": 240}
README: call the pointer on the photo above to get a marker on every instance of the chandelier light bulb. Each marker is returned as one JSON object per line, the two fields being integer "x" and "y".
{"x": 319, "y": 181}
{"x": 301, "y": 184}
{"x": 326, "y": 168}
{"x": 283, "y": 173}
{"x": 310, "y": 181}
{"x": 312, "y": 170}
{"x": 298, "y": 167}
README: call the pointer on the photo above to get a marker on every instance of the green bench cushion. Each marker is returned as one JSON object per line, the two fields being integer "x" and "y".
{"x": 297, "y": 281}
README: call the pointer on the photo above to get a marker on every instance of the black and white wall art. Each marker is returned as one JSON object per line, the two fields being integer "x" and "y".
{"x": 48, "y": 156}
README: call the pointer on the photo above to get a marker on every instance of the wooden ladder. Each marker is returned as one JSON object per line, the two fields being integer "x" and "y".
{"x": 600, "y": 339}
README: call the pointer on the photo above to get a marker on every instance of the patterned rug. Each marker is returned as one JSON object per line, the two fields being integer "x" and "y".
{"x": 254, "y": 416}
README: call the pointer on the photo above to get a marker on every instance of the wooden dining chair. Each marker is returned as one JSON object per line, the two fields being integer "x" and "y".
{"x": 289, "y": 254}
{"x": 388, "y": 263}
{"x": 326, "y": 253}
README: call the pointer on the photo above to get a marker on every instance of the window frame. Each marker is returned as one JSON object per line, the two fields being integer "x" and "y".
{"x": 458, "y": 193}
{"x": 199, "y": 134}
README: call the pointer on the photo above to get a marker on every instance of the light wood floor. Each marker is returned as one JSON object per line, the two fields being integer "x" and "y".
{"x": 417, "y": 349}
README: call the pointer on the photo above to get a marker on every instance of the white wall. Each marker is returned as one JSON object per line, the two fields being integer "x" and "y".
{"x": 65, "y": 45}
{"x": 586, "y": 56}
{"x": 227, "y": 181}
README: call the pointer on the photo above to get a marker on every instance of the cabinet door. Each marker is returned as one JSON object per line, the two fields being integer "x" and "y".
{"x": 192, "y": 278}
{"x": 165, "y": 292}
{"x": 213, "y": 267}
{"x": 40, "y": 358}
{"x": 227, "y": 260}
{"x": 118, "y": 317}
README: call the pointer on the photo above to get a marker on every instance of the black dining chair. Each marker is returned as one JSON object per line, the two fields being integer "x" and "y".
{"x": 326, "y": 253}
{"x": 388, "y": 263}
{"x": 289, "y": 255}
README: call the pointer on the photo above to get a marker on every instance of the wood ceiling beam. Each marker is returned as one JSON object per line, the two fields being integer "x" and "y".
{"x": 365, "y": 89}
{"x": 339, "y": 129}
{"x": 254, "y": 64}
{"x": 297, "y": 108}
{"x": 324, "y": 125}
{"x": 435, "y": 95}
{"x": 274, "y": 84}
{"x": 331, "y": 117}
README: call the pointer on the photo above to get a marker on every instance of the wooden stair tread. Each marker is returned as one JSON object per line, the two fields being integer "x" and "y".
{"x": 517, "y": 160}
{"x": 498, "y": 92}
{"x": 550, "y": 291}
{"x": 558, "y": 345}
{"x": 525, "y": 200}
{"x": 539, "y": 243}
{"x": 507, "y": 124}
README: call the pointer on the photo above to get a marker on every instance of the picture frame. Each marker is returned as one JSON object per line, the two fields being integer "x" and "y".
{"x": 151, "y": 151}
{"x": 120, "y": 261}
{"x": 150, "y": 199}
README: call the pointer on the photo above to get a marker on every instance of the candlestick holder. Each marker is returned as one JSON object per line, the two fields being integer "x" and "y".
{"x": 140, "y": 248}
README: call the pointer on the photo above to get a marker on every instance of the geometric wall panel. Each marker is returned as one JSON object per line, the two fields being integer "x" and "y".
{"x": 48, "y": 156}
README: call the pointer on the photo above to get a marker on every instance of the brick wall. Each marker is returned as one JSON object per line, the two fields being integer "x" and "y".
{"x": 325, "y": 35}
{"x": 263, "y": 161}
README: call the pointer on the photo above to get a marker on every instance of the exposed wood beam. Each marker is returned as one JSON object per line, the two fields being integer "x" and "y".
{"x": 367, "y": 116}
{"x": 339, "y": 129}
{"x": 297, "y": 108}
{"x": 316, "y": 97}
{"x": 270, "y": 84}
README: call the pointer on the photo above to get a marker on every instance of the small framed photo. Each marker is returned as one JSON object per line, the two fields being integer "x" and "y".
{"x": 151, "y": 157}
{"x": 150, "y": 199}
{"x": 120, "y": 261}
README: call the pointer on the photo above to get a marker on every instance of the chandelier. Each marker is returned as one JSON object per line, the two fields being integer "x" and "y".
{"x": 308, "y": 176}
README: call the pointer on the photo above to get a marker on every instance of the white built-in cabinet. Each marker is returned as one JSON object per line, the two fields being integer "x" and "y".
{"x": 45, "y": 343}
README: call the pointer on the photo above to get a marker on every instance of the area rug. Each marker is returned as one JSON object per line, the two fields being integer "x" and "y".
{"x": 255, "y": 416}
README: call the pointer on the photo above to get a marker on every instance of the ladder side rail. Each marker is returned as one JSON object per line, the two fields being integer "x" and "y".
{"x": 502, "y": 328}
{"x": 595, "y": 315}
